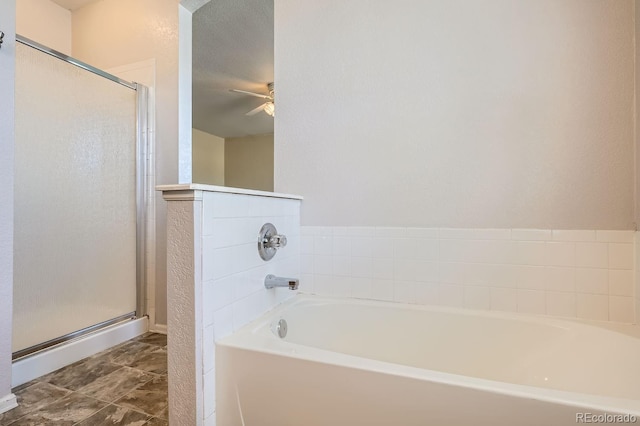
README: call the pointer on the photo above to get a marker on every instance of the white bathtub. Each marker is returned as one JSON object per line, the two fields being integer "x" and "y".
{"x": 346, "y": 362}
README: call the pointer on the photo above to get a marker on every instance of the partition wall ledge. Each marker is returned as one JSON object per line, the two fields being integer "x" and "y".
{"x": 188, "y": 191}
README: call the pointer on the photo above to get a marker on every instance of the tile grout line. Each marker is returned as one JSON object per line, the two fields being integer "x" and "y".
{"x": 92, "y": 414}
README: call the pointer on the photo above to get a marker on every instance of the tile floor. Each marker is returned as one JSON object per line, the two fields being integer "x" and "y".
{"x": 124, "y": 385}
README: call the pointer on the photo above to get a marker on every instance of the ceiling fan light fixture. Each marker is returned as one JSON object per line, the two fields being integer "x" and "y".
{"x": 270, "y": 108}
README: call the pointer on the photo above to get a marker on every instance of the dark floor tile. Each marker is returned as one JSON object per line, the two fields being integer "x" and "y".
{"x": 32, "y": 398}
{"x": 80, "y": 374}
{"x": 116, "y": 384}
{"x": 133, "y": 352}
{"x": 156, "y": 339}
{"x": 150, "y": 398}
{"x": 110, "y": 354}
{"x": 132, "y": 373}
{"x": 164, "y": 414}
{"x": 66, "y": 411}
{"x": 153, "y": 362}
{"x": 114, "y": 415}
{"x": 156, "y": 422}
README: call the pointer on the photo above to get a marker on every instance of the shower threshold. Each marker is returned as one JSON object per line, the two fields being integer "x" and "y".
{"x": 71, "y": 336}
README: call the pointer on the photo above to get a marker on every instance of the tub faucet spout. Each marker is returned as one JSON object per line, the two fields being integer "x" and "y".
{"x": 271, "y": 281}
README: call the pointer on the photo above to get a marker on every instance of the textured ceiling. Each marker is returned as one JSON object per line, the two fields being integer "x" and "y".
{"x": 232, "y": 49}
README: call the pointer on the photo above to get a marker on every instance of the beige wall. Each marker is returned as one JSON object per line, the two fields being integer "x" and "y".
{"x": 498, "y": 113}
{"x": 208, "y": 158}
{"x": 248, "y": 162}
{"x": 45, "y": 22}
{"x": 112, "y": 33}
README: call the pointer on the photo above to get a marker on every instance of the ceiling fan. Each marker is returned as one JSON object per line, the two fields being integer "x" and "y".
{"x": 269, "y": 106}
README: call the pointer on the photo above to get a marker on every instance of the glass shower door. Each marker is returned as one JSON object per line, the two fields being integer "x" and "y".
{"x": 75, "y": 199}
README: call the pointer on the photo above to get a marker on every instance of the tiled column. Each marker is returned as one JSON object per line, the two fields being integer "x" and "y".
{"x": 184, "y": 310}
{"x": 215, "y": 281}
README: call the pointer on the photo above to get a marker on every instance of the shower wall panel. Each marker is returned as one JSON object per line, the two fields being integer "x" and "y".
{"x": 75, "y": 199}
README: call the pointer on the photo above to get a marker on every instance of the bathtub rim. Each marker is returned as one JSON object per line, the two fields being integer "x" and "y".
{"x": 258, "y": 337}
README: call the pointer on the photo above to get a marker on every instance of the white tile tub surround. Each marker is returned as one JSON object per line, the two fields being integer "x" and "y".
{"x": 586, "y": 274}
{"x": 216, "y": 280}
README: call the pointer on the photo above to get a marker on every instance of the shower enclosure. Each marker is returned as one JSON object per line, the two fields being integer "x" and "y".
{"x": 79, "y": 199}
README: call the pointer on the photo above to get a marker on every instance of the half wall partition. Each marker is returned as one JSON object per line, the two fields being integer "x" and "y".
{"x": 79, "y": 199}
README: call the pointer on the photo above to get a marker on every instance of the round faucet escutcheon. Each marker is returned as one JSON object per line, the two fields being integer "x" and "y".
{"x": 269, "y": 241}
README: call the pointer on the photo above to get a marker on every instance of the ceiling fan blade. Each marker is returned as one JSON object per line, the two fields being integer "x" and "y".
{"x": 257, "y": 95}
{"x": 257, "y": 110}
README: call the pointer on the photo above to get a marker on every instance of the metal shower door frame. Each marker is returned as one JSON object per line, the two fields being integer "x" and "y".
{"x": 142, "y": 189}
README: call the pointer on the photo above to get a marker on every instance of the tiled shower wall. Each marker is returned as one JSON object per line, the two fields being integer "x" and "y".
{"x": 568, "y": 273}
{"x": 233, "y": 273}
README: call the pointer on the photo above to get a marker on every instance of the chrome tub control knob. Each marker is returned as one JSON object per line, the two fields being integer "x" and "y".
{"x": 269, "y": 241}
{"x": 277, "y": 241}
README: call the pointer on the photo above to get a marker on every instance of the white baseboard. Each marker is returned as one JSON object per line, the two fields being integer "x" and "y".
{"x": 7, "y": 403}
{"x": 158, "y": 328}
{"x": 45, "y": 362}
